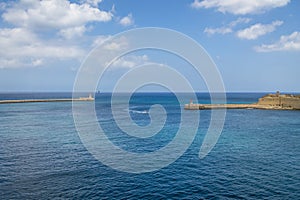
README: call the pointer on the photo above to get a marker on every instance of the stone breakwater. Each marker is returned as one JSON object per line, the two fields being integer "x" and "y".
{"x": 270, "y": 102}
{"x": 45, "y": 100}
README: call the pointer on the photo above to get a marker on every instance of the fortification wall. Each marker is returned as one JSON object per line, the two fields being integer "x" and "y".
{"x": 270, "y": 101}
{"x": 292, "y": 102}
{"x": 283, "y": 101}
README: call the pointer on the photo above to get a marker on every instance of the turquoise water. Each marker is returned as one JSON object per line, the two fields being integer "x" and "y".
{"x": 41, "y": 155}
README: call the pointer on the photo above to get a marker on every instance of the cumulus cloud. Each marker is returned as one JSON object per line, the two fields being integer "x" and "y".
{"x": 127, "y": 21}
{"x": 37, "y": 62}
{"x": 55, "y": 14}
{"x": 93, "y": 2}
{"x": 20, "y": 46}
{"x": 41, "y": 30}
{"x": 73, "y": 32}
{"x": 240, "y": 20}
{"x": 228, "y": 28}
{"x": 21, "y": 42}
{"x": 286, "y": 43}
{"x": 17, "y": 62}
{"x": 130, "y": 61}
{"x": 257, "y": 30}
{"x": 222, "y": 30}
{"x": 117, "y": 44}
{"x": 241, "y": 7}
{"x": 100, "y": 39}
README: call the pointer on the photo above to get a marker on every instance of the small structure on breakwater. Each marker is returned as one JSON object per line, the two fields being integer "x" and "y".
{"x": 271, "y": 102}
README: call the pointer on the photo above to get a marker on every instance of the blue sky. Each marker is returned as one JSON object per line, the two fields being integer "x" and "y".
{"x": 255, "y": 44}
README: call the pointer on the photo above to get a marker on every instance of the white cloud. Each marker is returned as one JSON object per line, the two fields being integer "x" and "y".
{"x": 17, "y": 62}
{"x": 286, "y": 43}
{"x": 100, "y": 39}
{"x": 93, "y": 2}
{"x": 117, "y": 44}
{"x": 130, "y": 61}
{"x": 240, "y": 7}
{"x": 20, "y": 46}
{"x": 54, "y": 14}
{"x": 228, "y": 28}
{"x": 41, "y": 31}
{"x": 20, "y": 42}
{"x": 37, "y": 62}
{"x": 222, "y": 30}
{"x": 258, "y": 30}
{"x": 127, "y": 21}
{"x": 240, "y": 20}
{"x": 10, "y": 63}
{"x": 70, "y": 33}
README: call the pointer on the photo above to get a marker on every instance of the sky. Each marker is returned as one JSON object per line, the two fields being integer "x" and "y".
{"x": 255, "y": 44}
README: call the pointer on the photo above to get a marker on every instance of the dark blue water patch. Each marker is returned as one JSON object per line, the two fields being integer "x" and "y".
{"x": 138, "y": 109}
{"x": 42, "y": 157}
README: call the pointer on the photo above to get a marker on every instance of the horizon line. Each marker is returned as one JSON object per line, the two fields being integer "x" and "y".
{"x": 107, "y": 92}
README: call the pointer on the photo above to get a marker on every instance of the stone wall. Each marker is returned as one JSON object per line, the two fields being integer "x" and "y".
{"x": 269, "y": 100}
{"x": 284, "y": 101}
{"x": 292, "y": 102}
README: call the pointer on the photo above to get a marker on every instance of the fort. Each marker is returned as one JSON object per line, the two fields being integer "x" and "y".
{"x": 270, "y": 102}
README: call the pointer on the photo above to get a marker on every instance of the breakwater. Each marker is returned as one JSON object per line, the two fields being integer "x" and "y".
{"x": 232, "y": 106}
{"x": 269, "y": 102}
{"x": 46, "y": 100}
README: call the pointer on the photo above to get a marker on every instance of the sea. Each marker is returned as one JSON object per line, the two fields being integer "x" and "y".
{"x": 257, "y": 155}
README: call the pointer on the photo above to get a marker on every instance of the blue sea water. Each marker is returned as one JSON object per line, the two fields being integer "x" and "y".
{"x": 42, "y": 157}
